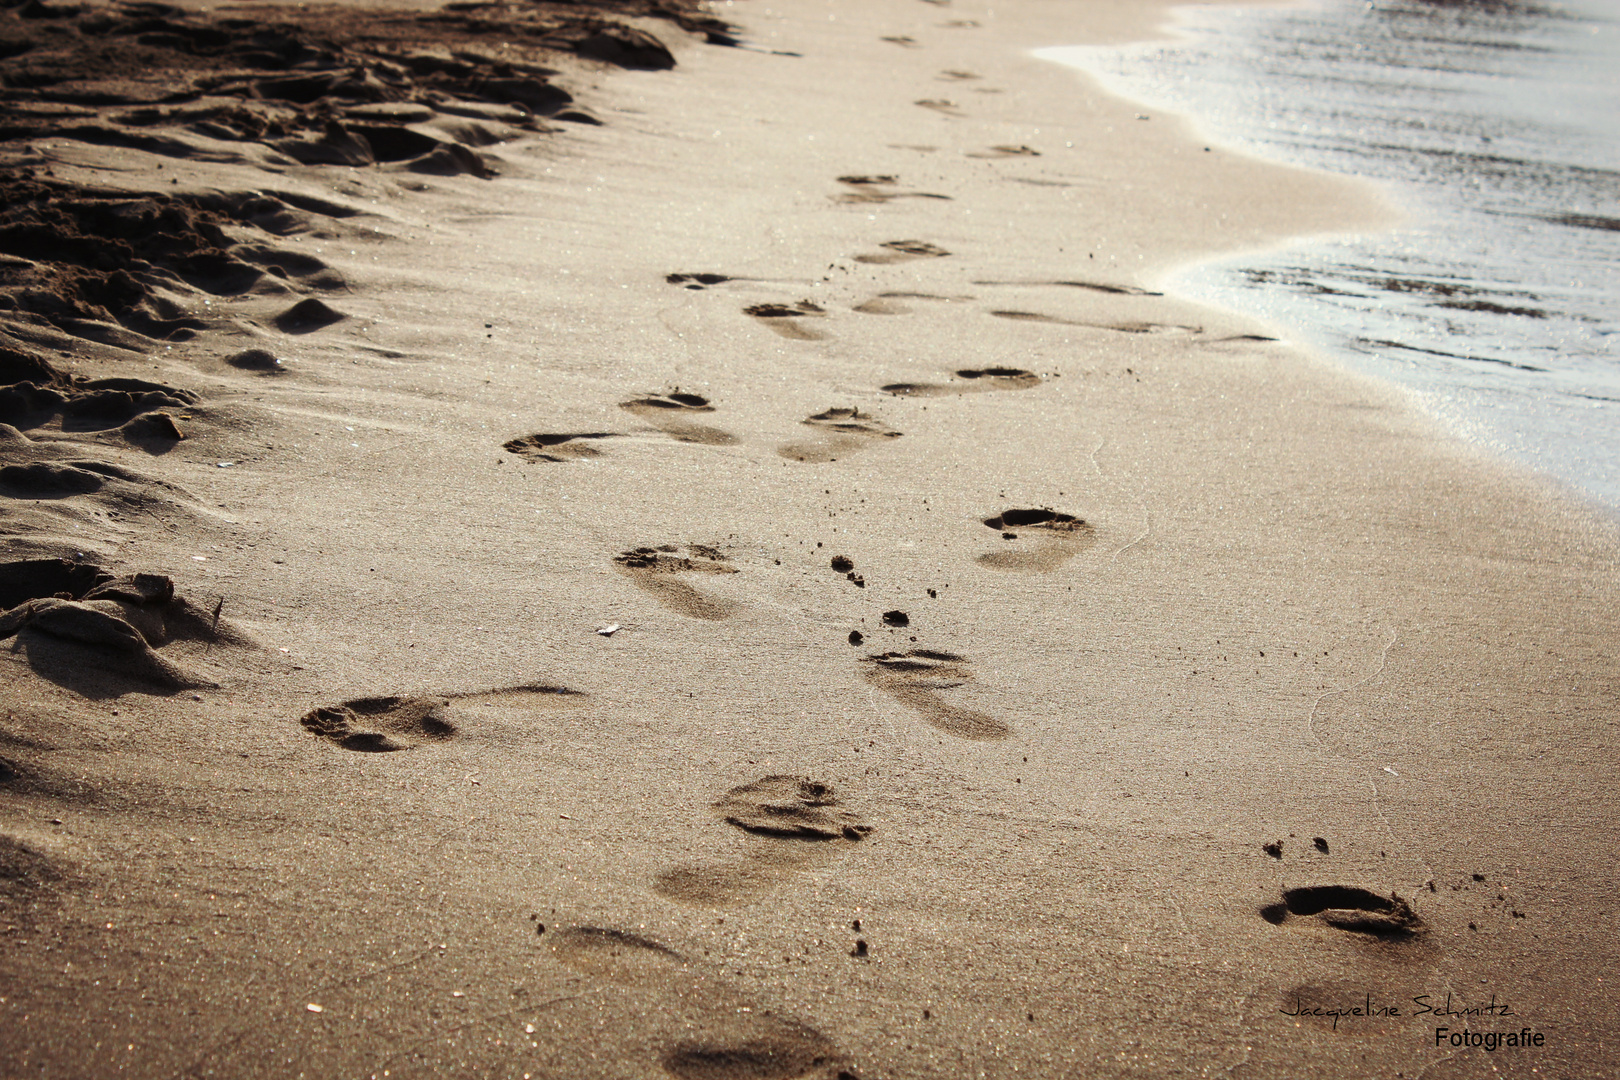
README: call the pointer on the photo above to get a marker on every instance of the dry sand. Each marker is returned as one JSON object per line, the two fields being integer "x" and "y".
{"x": 1224, "y": 686}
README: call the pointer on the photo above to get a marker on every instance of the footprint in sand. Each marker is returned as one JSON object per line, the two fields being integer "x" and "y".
{"x": 839, "y": 432}
{"x": 1047, "y": 539}
{"x": 381, "y": 724}
{"x": 557, "y": 447}
{"x": 658, "y": 570}
{"x": 1006, "y": 151}
{"x": 387, "y": 724}
{"x": 897, "y": 251}
{"x": 957, "y": 76}
{"x": 785, "y": 319}
{"x": 670, "y": 412}
{"x": 894, "y": 303}
{"x": 1349, "y": 908}
{"x": 880, "y": 189}
{"x": 917, "y": 678}
{"x": 1175, "y": 329}
{"x": 972, "y": 380}
{"x": 617, "y": 955}
{"x": 697, "y": 281}
{"x": 941, "y": 106}
{"x": 307, "y": 316}
{"x": 1170, "y": 329}
{"x": 793, "y": 824}
{"x": 723, "y": 1036}
{"x": 1089, "y": 286}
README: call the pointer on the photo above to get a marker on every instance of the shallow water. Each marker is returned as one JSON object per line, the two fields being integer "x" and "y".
{"x": 1493, "y": 124}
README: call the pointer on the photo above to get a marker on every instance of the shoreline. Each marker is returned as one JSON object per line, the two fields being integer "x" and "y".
{"x": 763, "y": 587}
{"x": 1507, "y": 358}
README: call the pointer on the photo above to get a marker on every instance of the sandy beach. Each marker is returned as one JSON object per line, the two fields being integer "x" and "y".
{"x": 645, "y": 540}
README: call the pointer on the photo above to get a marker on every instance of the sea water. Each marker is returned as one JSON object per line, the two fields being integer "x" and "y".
{"x": 1495, "y": 126}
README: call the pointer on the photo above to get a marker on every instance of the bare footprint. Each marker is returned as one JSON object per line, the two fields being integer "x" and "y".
{"x": 745, "y": 1045}
{"x": 386, "y": 724}
{"x": 790, "y": 807}
{"x": 1047, "y": 540}
{"x": 669, "y": 413}
{"x": 1033, "y": 316}
{"x": 880, "y": 188}
{"x": 917, "y": 679}
{"x": 381, "y": 724}
{"x": 972, "y": 380}
{"x": 839, "y": 432}
{"x": 785, "y": 319}
{"x": 897, "y": 251}
{"x": 1348, "y": 908}
{"x": 957, "y": 76}
{"x": 657, "y": 570}
{"x": 794, "y": 824}
{"x": 722, "y": 1035}
{"x": 617, "y": 955}
{"x": 1171, "y": 329}
{"x": 698, "y": 281}
{"x": 557, "y": 447}
{"x": 1090, "y": 286}
{"x": 942, "y": 106}
{"x": 1004, "y": 152}
{"x": 894, "y": 303}
{"x": 1176, "y": 329}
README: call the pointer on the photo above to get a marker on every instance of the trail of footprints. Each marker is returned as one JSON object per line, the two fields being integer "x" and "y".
{"x": 791, "y": 826}
{"x": 789, "y": 823}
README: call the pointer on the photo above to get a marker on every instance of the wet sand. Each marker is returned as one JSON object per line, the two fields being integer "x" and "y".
{"x": 740, "y": 572}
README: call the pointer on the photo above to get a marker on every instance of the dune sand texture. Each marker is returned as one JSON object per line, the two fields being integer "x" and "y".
{"x": 1016, "y": 671}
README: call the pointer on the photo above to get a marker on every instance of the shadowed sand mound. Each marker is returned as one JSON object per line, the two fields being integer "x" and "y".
{"x": 24, "y": 869}
{"x": 87, "y": 629}
{"x": 337, "y": 86}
